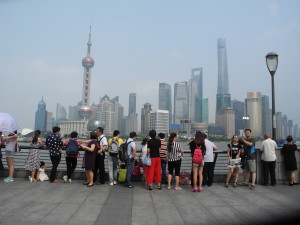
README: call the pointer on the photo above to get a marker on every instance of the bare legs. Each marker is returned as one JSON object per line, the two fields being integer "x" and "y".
{"x": 197, "y": 170}
{"x": 89, "y": 177}
{"x": 10, "y": 163}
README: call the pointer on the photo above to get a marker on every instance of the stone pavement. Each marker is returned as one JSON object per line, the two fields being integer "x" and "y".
{"x": 22, "y": 202}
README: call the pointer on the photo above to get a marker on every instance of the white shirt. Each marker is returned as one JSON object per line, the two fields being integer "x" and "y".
{"x": 268, "y": 147}
{"x": 209, "y": 155}
{"x": 144, "y": 151}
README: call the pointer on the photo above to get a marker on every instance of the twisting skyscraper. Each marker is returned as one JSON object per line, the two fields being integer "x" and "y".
{"x": 88, "y": 63}
{"x": 223, "y": 96}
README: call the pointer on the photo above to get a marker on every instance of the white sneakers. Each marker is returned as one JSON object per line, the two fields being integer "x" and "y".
{"x": 111, "y": 183}
{"x": 70, "y": 181}
{"x": 30, "y": 178}
{"x": 115, "y": 182}
{"x": 65, "y": 178}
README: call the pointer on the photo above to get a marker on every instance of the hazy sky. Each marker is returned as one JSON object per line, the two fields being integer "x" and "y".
{"x": 136, "y": 44}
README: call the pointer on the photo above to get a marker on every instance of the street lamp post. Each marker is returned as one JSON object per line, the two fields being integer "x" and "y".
{"x": 245, "y": 118}
{"x": 272, "y": 62}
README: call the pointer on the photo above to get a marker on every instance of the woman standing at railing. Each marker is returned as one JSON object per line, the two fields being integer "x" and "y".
{"x": 32, "y": 161}
{"x": 91, "y": 150}
{"x": 175, "y": 152}
{"x": 233, "y": 152}
{"x": 288, "y": 151}
{"x": 198, "y": 150}
{"x": 10, "y": 150}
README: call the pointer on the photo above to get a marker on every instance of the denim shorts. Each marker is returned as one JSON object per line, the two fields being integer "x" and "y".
{"x": 9, "y": 153}
{"x": 199, "y": 165}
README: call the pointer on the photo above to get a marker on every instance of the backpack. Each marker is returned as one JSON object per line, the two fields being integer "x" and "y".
{"x": 72, "y": 148}
{"x": 113, "y": 148}
{"x": 123, "y": 153}
{"x": 197, "y": 157}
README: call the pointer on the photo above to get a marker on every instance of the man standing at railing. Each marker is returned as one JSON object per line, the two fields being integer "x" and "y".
{"x": 268, "y": 160}
{"x": 209, "y": 164}
{"x": 54, "y": 143}
{"x": 250, "y": 154}
{"x": 99, "y": 163}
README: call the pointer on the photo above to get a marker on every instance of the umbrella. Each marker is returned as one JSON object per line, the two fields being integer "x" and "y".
{"x": 7, "y": 123}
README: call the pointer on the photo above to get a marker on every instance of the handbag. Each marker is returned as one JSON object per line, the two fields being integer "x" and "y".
{"x": 147, "y": 160}
{"x": 122, "y": 175}
{"x": 136, "y": 171}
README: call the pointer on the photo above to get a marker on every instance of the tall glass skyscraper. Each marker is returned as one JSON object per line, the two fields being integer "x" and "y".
{"x": 196, "y": 113}
{"x": 266, "y": 117}
{"x": 223, "y": 96}
{"x": 132, "y": 104}
{"x": 165, "y": 99}
{"x": 181, "y": 108}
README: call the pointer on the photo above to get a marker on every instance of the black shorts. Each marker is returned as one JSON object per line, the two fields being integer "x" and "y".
{"x": 174, "y": 165}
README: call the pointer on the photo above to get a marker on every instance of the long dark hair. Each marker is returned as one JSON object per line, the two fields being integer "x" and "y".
{"x": 199, "y": 137}
{"x": 170, "y": 141}
{"x": 36, "y": 136}
{"x": 144, "y": 141}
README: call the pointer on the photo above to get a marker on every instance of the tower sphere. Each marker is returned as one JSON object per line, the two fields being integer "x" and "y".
{"x": 88, "y": 62}
{"x": 85, "y": 112}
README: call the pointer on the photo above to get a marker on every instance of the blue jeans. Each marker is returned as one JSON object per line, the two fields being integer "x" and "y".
{"x": 112, "y": 162}
{"x": 164, "y": 163}
{"x": 129, "y": 167}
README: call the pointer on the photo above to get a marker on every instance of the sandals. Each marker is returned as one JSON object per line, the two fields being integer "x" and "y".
{"x": 226, "y": 184}
{"x": 159, "y": 187}
{"x": 90, "y": 185}
{"x": 178, "y": 188}
{"x": 150, "y": 188}
{"x": 234, "y": 184}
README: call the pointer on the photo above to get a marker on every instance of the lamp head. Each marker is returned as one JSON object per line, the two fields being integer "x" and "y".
{"x": 272, "y": 62}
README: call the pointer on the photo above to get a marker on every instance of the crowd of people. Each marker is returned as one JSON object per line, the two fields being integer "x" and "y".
{"x": 162, "y": 155}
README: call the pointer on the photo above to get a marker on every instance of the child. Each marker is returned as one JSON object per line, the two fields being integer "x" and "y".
{"x": 41, "y": 175}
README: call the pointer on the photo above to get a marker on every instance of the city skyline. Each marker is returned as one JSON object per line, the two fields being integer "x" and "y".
{"x": 41, "y": 53}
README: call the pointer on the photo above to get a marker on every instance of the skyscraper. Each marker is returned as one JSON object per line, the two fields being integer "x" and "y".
{"x": 159, "y": 121}
{"x": 132, "y": 103}
{"x": 165, "y": 99}
{"x": 41, "y": 116}
{"x": 181, "y": 109}
{"x": 239, "y": 109}
{"x": 254, "y": 111}
{"x": 197, "y": 113}
{"x": 223, "y": 96}
{"x": 88, "y": 63}
{"x": 145, "y": 118}
{"x": 107, "y": 114}
{"x": 119, "y": 115}
{"x": 61, "y": 113}
{"x": 266, "y": 119}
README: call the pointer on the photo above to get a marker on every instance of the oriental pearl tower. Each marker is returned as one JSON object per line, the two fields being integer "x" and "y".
{"x": 87, "y": 62}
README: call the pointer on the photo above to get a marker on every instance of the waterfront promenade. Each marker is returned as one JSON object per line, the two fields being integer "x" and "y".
{"x": 22, "y": 202}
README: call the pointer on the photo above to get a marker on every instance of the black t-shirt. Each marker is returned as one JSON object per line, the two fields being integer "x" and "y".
{"x": 234, "y": 150}
{"x": 154, "y": 145}
{"x": 247, "y": 148}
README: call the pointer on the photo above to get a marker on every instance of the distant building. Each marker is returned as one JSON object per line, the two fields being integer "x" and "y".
{"x": 266, "y": 125}
{"x": 41, "y": 116}
{"x": 226, "y": 119}
{"x": 239, "y": 110}
{"x": 107, "y": 114}
{"x": 223, "y": 96}
{"x": 131, "y": 123}
{"x": 119, "y": 115}
{"x": 132, "y": 103}
{"x": 165, "y": 99}
{"x": 49, "y": 123}
{"x": 74, "y": 112}
{"x": 145, "y": 118}
{"x": 181, "y": 106}
{"x": 80, "y": 126}
{"x": 159, "y": 121}
{"x": 279, "y": 126}
{"x": 61, "y": 113}
{"x": 253, "y": 105}
{"x": 215, "y": 131}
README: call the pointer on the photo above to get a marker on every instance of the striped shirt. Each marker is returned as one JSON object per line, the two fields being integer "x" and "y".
{"x": 175, "y": 153}
{"x": 163, "y": 149}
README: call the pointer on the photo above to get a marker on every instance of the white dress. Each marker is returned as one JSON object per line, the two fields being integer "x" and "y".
{"x": 43, "y": 176}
